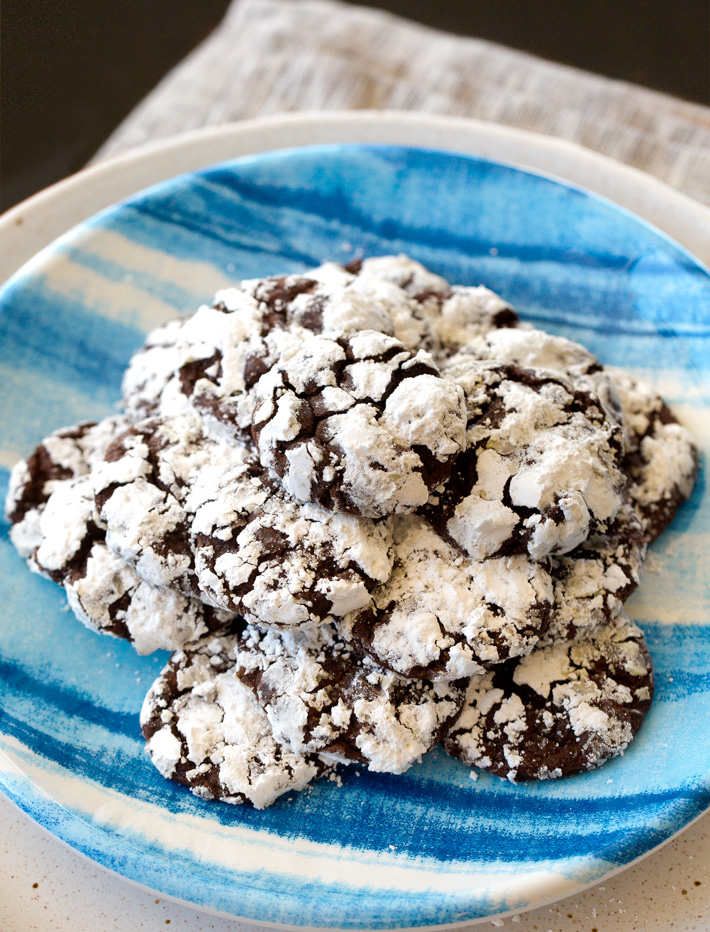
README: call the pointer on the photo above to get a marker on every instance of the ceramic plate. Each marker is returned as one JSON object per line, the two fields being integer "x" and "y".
{"x": 431, "y": 847}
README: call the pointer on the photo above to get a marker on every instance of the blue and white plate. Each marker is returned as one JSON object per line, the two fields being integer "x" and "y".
{"x": 432, "y": 847}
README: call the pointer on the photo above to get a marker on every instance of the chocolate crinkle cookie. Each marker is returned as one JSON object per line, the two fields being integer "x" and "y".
{"x": 286, "y": 565}
{"x": 441, "y": 615}
{"x": 661, "y": 456}
{"x": 253, "y": 714}
{"x": 56, "y": 527}
{"x": 560, "y": 710}
{"x": 531, "y": 348}
{"x": 542, "y": 468}
{"x": 63, "y": 455}
{"x": 367, "y": 510}
{"x": 206, "y": 729}
{"x": 141, "y": 488}
{"x": 592, "y": 583}
{"x": 201, "y": 517}
{"x": 212, "y": 360}
{"x": 391, "y": 294}
{"x": 358, "y": 423}
{"x": 321, "y": 695}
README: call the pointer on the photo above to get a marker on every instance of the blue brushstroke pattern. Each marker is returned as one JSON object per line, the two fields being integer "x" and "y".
{"x": 570, "y": 262}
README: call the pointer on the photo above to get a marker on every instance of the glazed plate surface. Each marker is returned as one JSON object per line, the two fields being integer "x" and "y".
{"x": 432, "y": 847}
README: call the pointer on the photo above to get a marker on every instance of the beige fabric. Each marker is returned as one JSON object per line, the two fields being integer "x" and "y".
{"x": 283, "y": 55}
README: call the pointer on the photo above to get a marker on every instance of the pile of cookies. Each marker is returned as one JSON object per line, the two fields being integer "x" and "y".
{"x": 367, "y": 511}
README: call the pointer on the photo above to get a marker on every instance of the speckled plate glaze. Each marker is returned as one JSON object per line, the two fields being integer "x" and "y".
{"x": 432, "y": 847}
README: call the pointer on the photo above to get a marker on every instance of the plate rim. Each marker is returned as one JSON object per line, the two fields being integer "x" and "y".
{"x": 125, "y": 174}
{"x": 284, "y": 927}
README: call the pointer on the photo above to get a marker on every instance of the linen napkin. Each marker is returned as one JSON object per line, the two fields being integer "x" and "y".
{"x": 270, "y": 56}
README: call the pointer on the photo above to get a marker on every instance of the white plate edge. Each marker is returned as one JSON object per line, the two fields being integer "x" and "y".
{"x": 33, "y": 224}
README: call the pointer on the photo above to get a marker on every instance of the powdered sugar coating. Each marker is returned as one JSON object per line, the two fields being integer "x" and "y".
{"x": 443, "y": 616}
{"x": 111, "y": 598}
{"x": 224, "y": 350}
{"x": 63, "y": 455}
{"x": 68, "y": 546}
{"x": 358, "y": 423}
{"x": 211, "y": 360}
{"x": 332, "y": 298}
{"x": 661, "y": 456}
{"x": 204, "y": 728}
{"x": 560, "y": 710}
{"x": 449, "y": 317}
{"x": 320, "y": 695}
{"x": 141, "y": 489}
{"x": 282, "y": 564}
{"x": 408, "y": 274}
{"x": 531, "y": 348}
{"x": 542, "y": 468}
{"x": 150, "y": 386}
{"x": 392, "y": 294}
{"x": 205, "y": 364}
{"x": 592, "y": 582}
{"x": 198, "y": 515}
{"x": 105, "y": 593}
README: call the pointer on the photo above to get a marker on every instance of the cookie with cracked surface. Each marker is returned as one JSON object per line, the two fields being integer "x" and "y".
{"x": 211, "y": 360}
{"x": 224, "y": 351}
{"x": 333, "y": 298}
{"x": 561, "y": 710}
{"x": 442, "y": 615}
{"x": 105, "y": 593}
{"x": 321, "y": 696}
{"x": 542, "y": 468}
{"x": 358, "y": 423}
{"x": 206, "y": 729}
{"x": 202, "y": 364}
{"x": 141, "y": 487}
{"x": 592, "y": 582}
{"x": 229, "y": 346}
{"x": 200, "y": 516}
{"x": 63, "y": 455}
{"x": 448, "y": 316}
{"x": 531, "y": 348}
{"x": 63, "y": 540}
{"x": 282, "y": 564}
{"x": 392, "y": 294}
{"x": 661, "y": 457}
{"x": 150, "y": 387}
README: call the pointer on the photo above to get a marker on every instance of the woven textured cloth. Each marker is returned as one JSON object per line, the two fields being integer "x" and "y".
{"x": 271, "y": 56}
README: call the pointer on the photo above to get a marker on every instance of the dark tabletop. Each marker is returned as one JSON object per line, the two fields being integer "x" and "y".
{"x": 73, "y": 69}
